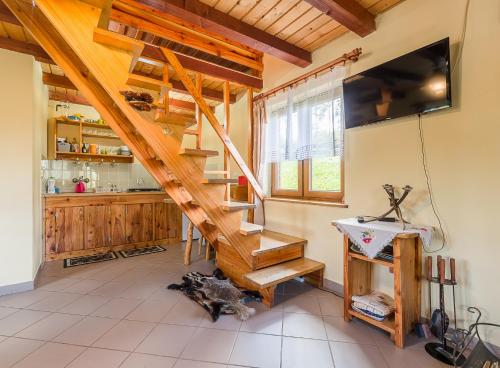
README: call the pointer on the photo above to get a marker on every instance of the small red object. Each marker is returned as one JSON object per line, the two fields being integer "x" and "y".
{"x": 80, "y": 187}
{"x": 242, "y": 181}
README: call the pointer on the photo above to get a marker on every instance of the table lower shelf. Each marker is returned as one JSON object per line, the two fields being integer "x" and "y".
{"x": 387, "y": 324}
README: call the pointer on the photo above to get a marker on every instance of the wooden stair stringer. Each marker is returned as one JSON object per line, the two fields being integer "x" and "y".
{"x": 65, "y": 29}
{"x": 65, "y": 57}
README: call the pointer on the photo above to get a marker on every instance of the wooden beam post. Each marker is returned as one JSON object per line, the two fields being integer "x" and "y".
{"x": 105, "y": 15}
{"x": 251, "y": 196}
{"x": 227, "y": 125}
{"x": 164, "y": 108}
{"x": 349, "y": 13}
{"x": 199, "y": 115}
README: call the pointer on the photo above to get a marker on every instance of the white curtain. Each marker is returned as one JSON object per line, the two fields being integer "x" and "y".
{"x": 307, "y": 121}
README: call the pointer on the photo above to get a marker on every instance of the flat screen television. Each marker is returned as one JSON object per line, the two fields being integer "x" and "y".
{"x": 415, "y": 83}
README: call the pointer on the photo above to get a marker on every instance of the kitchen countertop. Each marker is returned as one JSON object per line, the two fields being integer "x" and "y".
{"x": 93, "y": 194}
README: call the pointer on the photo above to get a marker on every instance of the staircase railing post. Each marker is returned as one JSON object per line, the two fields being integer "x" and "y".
{"x": 251, "y": 195}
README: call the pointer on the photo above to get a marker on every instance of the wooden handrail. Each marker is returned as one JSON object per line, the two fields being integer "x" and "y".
{"x": 183, "y": 76}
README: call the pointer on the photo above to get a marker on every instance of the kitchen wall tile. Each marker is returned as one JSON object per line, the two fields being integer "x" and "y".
{"x": 101, "y": 175}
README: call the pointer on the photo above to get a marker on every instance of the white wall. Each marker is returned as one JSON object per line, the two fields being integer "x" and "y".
{"x": 21, "y": 99}
{"x": 461, "y": 144}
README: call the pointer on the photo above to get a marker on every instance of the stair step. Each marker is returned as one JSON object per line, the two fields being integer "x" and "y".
{"x": 173, "y": 118}
{"x": 198, "y": 152}
{"x": 230, "y": 206}
{"x": 274, "y": 248}
{"x": 272, "y": 240}
{"x": 141, "y": 81}
{"x": 219, "y": 181}
{"x": 246, "y": 228}
{"x": 277, "y": 274}
{"x": 117, "y": 40}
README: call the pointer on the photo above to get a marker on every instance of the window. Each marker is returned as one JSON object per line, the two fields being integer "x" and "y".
{"x": 304, "y": 142}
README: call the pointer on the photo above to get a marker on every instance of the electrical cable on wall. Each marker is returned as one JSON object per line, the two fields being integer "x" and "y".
{"x": 462, "y": 39}
{"x": 429, "y": 189}
{"x": 421, "y": 132}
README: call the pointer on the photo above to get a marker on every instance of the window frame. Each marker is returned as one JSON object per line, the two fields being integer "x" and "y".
{"x": 303, "y": 191}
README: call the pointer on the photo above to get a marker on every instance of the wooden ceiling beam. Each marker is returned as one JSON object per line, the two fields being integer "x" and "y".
{"x": 58, "y": 81}
{"x": 209, "y": 69}
{"x": 205, "y": 19}
{"x": 137, "y": 79}
{"x": 349, "y": 13}
{"x": 7, "y": 16}
{"x": 66, "y": 97}
{"x": 64, "y": 82}
{"x": 25, "y": 48}
{"x": 173, "y": 33}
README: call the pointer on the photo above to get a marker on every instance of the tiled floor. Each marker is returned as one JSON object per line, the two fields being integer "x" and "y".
{"x": 119, "y": 314}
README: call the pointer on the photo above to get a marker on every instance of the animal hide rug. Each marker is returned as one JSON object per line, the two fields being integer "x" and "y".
{"x": 216, "y": 294}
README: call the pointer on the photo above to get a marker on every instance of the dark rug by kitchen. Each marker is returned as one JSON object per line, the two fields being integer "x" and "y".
{"x": 141, "y": 251}
{"x": 78, "y": 261}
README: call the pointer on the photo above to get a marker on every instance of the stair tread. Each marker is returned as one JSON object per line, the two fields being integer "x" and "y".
{"x": 117, "y": 40}
{"x": 247, "y": 228}
{"x": 282, "y": 272}
{"x": 219, "y": 181}
{"x": 271, "y": 241}
{"x": 173, "y": 118}
{"x": 198, "y": 152}
{"x": 236, "y": 206}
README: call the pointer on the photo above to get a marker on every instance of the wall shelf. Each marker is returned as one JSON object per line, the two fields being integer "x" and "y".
{"x": 387, "y": 325}
{"x": 372, "y": 260}
{"x": 82, "y": 137}
{"x": 99, "y": 136}
{"x": 92, "y": 157}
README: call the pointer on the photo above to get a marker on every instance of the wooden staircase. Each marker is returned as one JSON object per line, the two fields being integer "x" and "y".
{"x": 99, "y": 63}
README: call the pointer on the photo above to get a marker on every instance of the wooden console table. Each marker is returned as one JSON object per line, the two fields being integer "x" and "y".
{"x": 406, "y": 268}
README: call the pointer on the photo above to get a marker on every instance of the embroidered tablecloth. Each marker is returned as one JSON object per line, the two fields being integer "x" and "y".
{"x": 372, "y": 237}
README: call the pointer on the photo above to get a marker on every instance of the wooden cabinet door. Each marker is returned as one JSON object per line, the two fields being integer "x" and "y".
{"x": 139, "y": 222}
{"x": 97, "y": 226}
{"x": 64, "y": 229}
{"x": 167, "y": 217}
{"x": 118, "y": 220}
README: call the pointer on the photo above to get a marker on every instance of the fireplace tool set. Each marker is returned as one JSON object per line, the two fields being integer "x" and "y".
{"x": 394, "y": 203}
{"x": 440, "y": 321}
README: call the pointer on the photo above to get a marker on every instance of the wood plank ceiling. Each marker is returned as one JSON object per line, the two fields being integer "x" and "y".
{"x": 300, "y": 23}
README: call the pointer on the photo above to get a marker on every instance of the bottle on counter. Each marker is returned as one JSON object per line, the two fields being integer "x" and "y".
{"x": 51, "y": 185}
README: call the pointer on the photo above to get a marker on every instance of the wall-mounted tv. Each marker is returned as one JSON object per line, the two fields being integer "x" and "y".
{"x": 415, "y": 83}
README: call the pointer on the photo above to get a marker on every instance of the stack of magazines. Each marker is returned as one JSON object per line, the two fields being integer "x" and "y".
{"x": 376, "y": 305}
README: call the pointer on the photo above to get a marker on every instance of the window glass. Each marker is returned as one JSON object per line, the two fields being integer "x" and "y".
{"x": 288, "y": 175}
{"x": 325, "y": 175}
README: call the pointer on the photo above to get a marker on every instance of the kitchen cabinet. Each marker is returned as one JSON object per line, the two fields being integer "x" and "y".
{"x": 87, "y": 224}
{"x": 118, "y": 234}
{"x": 97, "y": 226}
{"x": 168, "y": 221}
{"x": 139, "y": 222}
{"x": 64, "y": 229}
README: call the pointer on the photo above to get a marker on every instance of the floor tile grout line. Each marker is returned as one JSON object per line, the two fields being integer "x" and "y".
{"x": 26, "y": 356}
